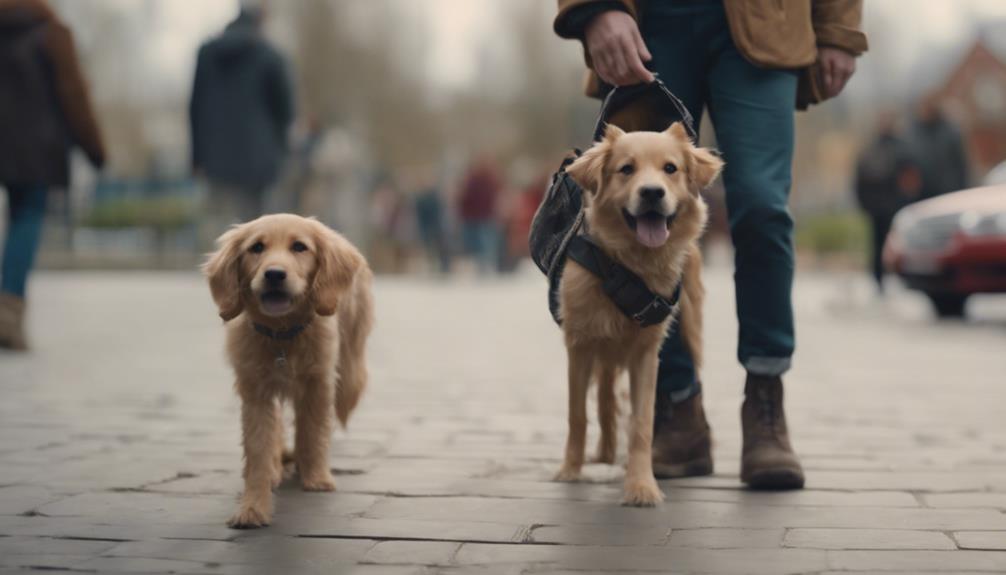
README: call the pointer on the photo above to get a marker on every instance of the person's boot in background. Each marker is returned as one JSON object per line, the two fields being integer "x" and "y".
{"x": 12, "y": 322}
{"x": 767, "y": 459}
{"x": 682, "y": 441}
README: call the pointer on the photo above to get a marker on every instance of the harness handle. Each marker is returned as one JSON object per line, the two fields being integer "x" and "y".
{"x": 619, "y": 96}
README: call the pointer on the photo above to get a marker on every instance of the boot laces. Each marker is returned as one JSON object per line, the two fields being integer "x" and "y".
{"x": 768, "y": 412}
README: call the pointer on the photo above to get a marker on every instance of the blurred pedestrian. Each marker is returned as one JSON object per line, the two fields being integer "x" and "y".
{"x": 744, "y": 61}
{"x": 887, "y": 178}
{"x": 520, "y": 216}
{"x": 430, "y": 218}
{"x": 940, "y": 150}
{"x": 391, "y": 219}
{"x": 45, "y": 109}
{"x": 240, "y": 112}
{"x": 478, "y": 209}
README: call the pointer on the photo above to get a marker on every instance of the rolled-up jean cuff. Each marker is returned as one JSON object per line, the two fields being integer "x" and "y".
{"x": 771, "y": 366}
{"x": 689, "y": 392}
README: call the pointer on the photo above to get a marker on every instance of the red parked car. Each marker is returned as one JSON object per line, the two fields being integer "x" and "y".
{"x": 951, "y": 247}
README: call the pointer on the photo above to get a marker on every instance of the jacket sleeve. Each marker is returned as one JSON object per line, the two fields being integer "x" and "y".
{"x": 837, "y": 23}
{"x": 71, "y": 89}
{"x": 575, "y": 14}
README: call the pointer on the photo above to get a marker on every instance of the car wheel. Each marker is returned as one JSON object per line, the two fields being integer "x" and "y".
{"x": 948, "y": 305}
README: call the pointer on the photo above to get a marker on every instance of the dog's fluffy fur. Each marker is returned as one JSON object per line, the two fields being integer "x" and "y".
{"x": 326, "y": 287}
{"x": 630, "y": 177}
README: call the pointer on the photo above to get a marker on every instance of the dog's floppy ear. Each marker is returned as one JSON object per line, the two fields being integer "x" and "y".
{"x": 338, "y": 263}
{"x": 703, "y": 164}
{"x": 223, "y": 270}
{"x": 587, "y": 170}
{"x": 703, "y": 167}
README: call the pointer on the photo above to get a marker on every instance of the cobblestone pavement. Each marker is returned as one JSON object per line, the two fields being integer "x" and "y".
{"x": 119, "y": 446}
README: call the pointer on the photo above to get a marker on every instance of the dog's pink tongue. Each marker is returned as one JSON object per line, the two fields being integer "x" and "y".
{"x": 651, "y": 232}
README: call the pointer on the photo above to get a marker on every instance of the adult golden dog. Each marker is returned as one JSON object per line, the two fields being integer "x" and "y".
{"x": 643, "y": 209}
{"x": 297, "y": 302}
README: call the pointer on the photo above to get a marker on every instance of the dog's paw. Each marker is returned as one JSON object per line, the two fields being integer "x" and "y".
{"x": 249, "y": 518}
{"x": 642, "y": 493}
{"x": 567, "y": 474}
{"x": 322, "y": 482}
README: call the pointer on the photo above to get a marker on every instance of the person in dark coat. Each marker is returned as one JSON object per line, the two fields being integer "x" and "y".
{"x": 45, "y": 110}
{"x": 241, "y": 109}
{"x": 888, "y": 177}
{"x": 940, "y": 149}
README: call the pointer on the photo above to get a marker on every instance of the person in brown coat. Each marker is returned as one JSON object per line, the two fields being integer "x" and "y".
{"x": 750, "y": 63}
{"x": 44, "y": 111}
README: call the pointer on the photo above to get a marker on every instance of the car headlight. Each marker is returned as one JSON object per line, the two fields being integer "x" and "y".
{"x": 983, "y": 225}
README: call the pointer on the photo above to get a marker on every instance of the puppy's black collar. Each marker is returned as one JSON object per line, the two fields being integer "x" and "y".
{"x": 625, "y": 289}
{"x": 281, "y": 334}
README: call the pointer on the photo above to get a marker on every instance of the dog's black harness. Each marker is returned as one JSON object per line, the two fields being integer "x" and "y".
{"x": 626, "y": 290}
{"x": 557, "y": 229}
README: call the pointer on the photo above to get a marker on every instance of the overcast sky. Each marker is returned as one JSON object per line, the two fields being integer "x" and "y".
{"x": 908, "y": 31}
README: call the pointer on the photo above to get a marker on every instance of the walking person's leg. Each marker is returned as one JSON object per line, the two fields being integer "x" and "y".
{"x": 881, "y": 226}
{"x": 677, "y": 36}
{"x": 752, "y": 110}
{"x": 26, "y": 213}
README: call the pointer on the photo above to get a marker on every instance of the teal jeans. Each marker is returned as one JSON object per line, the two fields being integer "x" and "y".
{"x": 752, "y": 111}
{"x": 26, "y": 210}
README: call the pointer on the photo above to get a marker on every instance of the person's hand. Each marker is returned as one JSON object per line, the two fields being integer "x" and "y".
{"x": 837, "y": 66}
{"x": 617, "y": 50}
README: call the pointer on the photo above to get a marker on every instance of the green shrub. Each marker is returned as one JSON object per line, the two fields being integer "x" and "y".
{"x": 163, "y": 214}
{"x": 833, "y": 233}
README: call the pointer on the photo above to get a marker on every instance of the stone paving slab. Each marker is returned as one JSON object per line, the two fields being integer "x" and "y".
{"x": 120, "y": 446}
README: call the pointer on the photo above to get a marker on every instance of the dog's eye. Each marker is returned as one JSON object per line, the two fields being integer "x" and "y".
{"x": 299, "y": 247}
{"x": 257, "y": 248}
{"x": 670, "y": 168}
{"x": 627, "y": 169}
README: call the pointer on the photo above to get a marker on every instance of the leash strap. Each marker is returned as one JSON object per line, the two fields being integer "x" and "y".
{"x": 626, "y": 290}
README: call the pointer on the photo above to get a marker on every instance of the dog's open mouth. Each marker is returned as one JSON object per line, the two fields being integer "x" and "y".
{"x": 652, "y": 228}
{"x": 275, "y": 302}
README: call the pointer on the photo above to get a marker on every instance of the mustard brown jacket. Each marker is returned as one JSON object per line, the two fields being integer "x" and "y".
{"x": 769, "y": 33}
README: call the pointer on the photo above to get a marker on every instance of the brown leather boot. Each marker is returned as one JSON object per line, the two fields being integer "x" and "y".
{"x": 682, "y": 441}
{"x": 12, "y": 322}
{"x": 767, "y": 460}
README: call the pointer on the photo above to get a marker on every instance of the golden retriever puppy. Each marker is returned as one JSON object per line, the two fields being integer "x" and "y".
{"x": 644, "y": 211}
{"x": 297, "y": 300}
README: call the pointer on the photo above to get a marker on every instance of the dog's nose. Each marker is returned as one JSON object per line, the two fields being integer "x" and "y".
{"x": 651, "y": 194}
{"x": 275, "y": 276}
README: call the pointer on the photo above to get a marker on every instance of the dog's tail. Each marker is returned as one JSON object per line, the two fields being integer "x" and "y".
{"x": 356, "y": 319}
{"x": 348, "y": 392}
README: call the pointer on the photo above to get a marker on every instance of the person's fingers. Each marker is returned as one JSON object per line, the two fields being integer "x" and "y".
{"x": 828, "y": 75}
{"x": 842, "y": 81}
{"x": 843, "y": 75}
{"x": 602, "y": 65}
{"x": 637, "y": 72}
{"x": 597, "y": 63}
{"x": 620, "y": 62}
{"x": 641, "y": 48}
